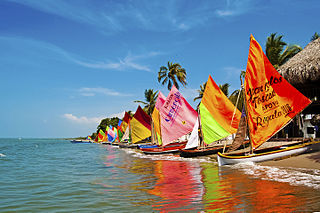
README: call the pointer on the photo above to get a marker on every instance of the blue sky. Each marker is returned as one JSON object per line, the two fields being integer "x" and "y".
{"x": 64, "y": 65}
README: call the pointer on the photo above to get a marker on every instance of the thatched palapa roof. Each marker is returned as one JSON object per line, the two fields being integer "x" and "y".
{"x": 304, "y": 67}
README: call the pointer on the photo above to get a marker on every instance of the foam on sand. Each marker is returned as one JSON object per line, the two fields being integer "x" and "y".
{"x": 293, "y": 176}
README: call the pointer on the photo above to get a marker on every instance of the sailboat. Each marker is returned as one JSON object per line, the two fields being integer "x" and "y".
{"x": 177, "y": 119}
{"x": 271, "y": 103}
{"x": 155, "y": 124}
{"x": 218, "y": 119}
{"x": 138, "y": 130}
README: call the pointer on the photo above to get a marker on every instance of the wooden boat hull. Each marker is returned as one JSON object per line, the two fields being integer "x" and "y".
{"x": 171, "y": 148}
{"x": 187, "y": 153}
{"x": 278, "y": 152}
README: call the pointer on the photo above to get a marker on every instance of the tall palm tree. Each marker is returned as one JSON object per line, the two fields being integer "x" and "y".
{"x": 200, "y": 91}
{"x": 275, "y": 51}
{"x": 151, "y": 98}
{"x": 172, "y": 74}
{"x": 234, "y": 97}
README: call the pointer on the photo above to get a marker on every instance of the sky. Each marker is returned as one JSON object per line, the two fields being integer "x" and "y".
{"x": 65, "y": 65}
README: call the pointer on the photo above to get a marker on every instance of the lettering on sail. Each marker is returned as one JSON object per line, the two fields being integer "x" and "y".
{"x": 172, "y": 104}
{"x": 263, "y": 99}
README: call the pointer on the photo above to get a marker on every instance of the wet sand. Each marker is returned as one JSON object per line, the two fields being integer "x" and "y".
{"x": 308, "y": 161}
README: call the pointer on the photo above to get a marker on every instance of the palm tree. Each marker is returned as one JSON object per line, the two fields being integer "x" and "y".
{"x": 225, "y": 88}
{"x": 200, "y": 91}
{"x": 275, "y": 51}
{"x": 172, "y": 74}
{"x": 238, "y": 101}
{"x": 151, "y": 98}
{"x": 315, "y": 36}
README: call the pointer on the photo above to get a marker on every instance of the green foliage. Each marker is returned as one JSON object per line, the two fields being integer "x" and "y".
{"x": 315, "y": 36}
{"x": 275, "y": 51}
{"x": 200, "y": 91}
{"x": 107, "y": 122}
{"x": 150, "y": 100}
{"x": 94, "y": 135}
{"x": 172, "y": 74}
{"x": 225, "y": 88}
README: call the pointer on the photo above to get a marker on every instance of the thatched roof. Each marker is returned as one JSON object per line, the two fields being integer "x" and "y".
{"x": 304, "y": 67}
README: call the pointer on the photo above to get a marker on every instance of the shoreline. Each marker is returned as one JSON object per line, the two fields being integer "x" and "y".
{"x": 305, "y": 161}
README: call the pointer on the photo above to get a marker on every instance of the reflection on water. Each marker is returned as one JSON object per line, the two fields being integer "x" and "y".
{"x": 47, "y": 175}
{"x": 202, "y": 186}
{"x": 178, "y": 184}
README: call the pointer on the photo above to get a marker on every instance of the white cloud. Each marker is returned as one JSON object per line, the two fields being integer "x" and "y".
{"x": 39, "y": 49}
{"x": 85, "y": 91}
{"x": 111, "y": 17}
{"x": 83, "y": 119}
{"x": 235, "y": 8}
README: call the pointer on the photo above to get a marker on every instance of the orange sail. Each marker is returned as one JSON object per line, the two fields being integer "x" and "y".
{"x": 271, "y": 101}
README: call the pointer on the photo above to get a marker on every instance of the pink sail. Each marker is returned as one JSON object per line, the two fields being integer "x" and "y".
{"x": 177, "y": 117}
{"x": 160, "y": 100}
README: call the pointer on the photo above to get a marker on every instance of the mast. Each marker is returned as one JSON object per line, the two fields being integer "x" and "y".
{"x": 201, "y": 141}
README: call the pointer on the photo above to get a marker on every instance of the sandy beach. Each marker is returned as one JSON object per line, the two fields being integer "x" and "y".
{"x": 308, "y": 161}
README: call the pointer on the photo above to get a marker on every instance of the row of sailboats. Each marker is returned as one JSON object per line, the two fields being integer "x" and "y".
{"x": 270, "y": 104}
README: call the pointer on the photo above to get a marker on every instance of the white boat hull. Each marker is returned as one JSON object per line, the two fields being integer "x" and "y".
{"x": 294, "y": 150}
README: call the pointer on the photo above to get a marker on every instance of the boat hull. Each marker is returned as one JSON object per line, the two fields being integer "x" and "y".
{"x": 188, "y": 153}
{"x": 171, "y": 148}
{"x": 281, "y": 152}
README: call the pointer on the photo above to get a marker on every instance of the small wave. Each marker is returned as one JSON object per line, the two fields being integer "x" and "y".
{"x": 170, "y": 157}
{"x": 2, "y": 155}
{"x": 293, "y": 176}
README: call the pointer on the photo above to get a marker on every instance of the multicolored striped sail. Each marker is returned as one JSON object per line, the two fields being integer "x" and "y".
{"x": 177, "y": 117}
{"x": 123, "y": 126}
{"x": 119, "y": 133}
{"x": 219, "y": 117}
{"x": 101, "y": 135}
{"x": 140, "y": 126}
{"x": 156, "y": 117}
{"x": 111, "y": 134}
{"x": 105, "y": 138}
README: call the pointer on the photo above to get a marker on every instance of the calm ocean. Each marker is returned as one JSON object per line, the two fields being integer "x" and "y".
{"x": 49, "y": 175}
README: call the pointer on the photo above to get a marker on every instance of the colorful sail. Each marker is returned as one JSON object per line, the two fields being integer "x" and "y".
{"x": 105, "y": 138}
{"x": 101, "y": 135}
{"x": 140, "y": 126}
{"x": 123, "y": 126}
{"x": 119, "y": 132}
{"x": 156, "y": 116}
{"x": 177, "y": 117}
{"x": 219, "y": 117}
{"x": 126, "y": 135}
{"x": 194, "y": 137}
{"x": 111, "y": 134}
{"x": 271, "y": 101}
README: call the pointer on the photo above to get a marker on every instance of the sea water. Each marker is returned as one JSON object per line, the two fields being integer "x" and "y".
{"x": 53, "y": 175}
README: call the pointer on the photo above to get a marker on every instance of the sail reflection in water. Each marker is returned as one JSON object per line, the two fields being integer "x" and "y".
{"x": 108, "y": 179}
{"x": 178, "y": 184}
